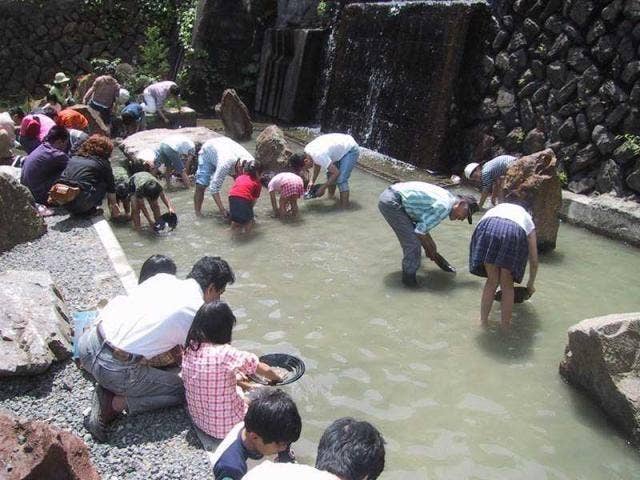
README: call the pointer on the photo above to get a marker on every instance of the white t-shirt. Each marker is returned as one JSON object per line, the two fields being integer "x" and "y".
{"x": 275, "y": 185}
{"x": 329, "y": 148}
{"x": 180, "y": 144}
{"x": 514, "y": 213}
{"x": 154, "y": 318}
{"x": 287, "y": 471}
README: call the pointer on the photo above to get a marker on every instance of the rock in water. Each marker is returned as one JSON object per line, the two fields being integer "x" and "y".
{"x": 34, "y": 323}
{"x": 272, "y": 149}
{"x": 601, "y": 358}
{"x": 19, "y": 219}
{"x": 178, "y": 118}
{"x": 235, "y": 116}
{"x": 30, "y": 450}
{"x": 533, "y": 179}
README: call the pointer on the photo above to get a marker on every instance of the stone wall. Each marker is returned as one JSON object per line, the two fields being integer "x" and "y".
{"x": 564, "y": 74}
{"x": 40, "y": 38}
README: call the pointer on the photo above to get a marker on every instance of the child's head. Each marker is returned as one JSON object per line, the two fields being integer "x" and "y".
{"x": 351, "y": 450}
{"x": 252, "y": 168}
{"x": 150, "y": 190}
{"x": 213, "y": 323}
{"x": 272, "y": 422}
{"x": 266, "y": 177}
{"x": 122, "y": 192}
{"x": 296, "y": 162}
{"x": 156, "y": 264}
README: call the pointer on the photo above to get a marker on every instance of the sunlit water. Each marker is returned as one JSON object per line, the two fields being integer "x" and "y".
{"x": 452, "y": 400}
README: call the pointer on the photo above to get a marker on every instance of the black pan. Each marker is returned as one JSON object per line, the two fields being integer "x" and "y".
{"x": 520, "y": 294}
{"x": 293, "y": 365}
{"x": 443, "y": 264}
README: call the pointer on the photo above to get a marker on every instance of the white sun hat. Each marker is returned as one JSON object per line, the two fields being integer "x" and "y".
{"x": 468, "y": 170}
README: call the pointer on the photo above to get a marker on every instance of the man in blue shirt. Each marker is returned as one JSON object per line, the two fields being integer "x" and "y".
{"x": 490, "y": 177}
{"x": 413, "y": 209}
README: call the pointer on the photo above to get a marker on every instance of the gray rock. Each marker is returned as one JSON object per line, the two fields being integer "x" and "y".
{"x": 633, "y": 178}
{"x": 540, "y": 95}
{"x": 581, "y": 11}
{"x": 553, "y": 123}
{"x": 34, "y": 322}
{"x": 272, "y": 149}
{"x": 582, "y": 128}
{"x": 592, "y": 78}
{"x": 631, "y": 9}
{"x": 616, "y": 116}
{"x": 530, "y": 29}
{"x": 595, "y": 32}
{"x": 488, "y": 65}
{"x": 500, "y": 39}
{"x": 514, "y": 139}
{"x": 631, "y": 72}
{"x": 585, "y": 158}
{"x": 573, "y": 34}
{"x": 488, "y": 109}
{"x": 18, "y": 216}
{"x": 235, "y": 116}
{"x": 596, "y": 110}
{"x": 603, "y": 139}
{"x": 538, "y": 69}
{"x": 534, "y": 141}
{"x": 518, "y": 60}
{"x": 559, "y": 47}
{"x": 600, "y": 359}
{"x": 551, "y": 7}
{"x": 502, "y": 61}
{"x": 554, "y": 24}
{"x": 499, "y": 130}
{"x": 527, "y": 117}
{"x": 566, "y": 92}
{"x": 632, "y": 122}
{"x": 568, "y": 152}
{"x": 567, "y": 130}
{"x": 604, "y": 49}
{"x": 583, "y": 185}
{"x": 527, "y": 90}
{"x": 556, "y": 72}
{"x": 609, "y": 178}
{"x": 634, "y": 96}
{"x": 518, "y": 41}
{"x": 506, "y": 100}
{"x": 625, "y": 49}
{"x": 611, "y": 11}
{"x": 612, "y": 92}
{"x": 578, "y": 59}
{"x": 507, "y": 22}
{"x": 568, "y": 110}
{"x": 625, "y": 154}
{"x": 636, "y": 32}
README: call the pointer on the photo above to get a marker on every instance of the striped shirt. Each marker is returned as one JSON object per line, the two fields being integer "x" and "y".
{"x": 494, "y": 169}
{"x": 222, "y": 153}
{"x": 425, "y": 204}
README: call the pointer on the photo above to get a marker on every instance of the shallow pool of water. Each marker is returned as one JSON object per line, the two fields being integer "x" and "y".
{"x": 452, "y": 400}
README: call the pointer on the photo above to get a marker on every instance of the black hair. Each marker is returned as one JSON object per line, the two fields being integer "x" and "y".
{"x": 213, "y": 323}
{"x": 351, "y": 450}
{"x": 150, "y": 190}
{"x": 175, "y": 90}
{"x": 50, "y": 112}
{"x": 156, "y": 264}
{"x": 122, "y": 193}
{"x": 252, "y": 168}
{"x": 57, "y": 133}
{"x": 127, "y": 118}
{"x": 212, "y": 271}
{"x": 266, "y": 177}
{"x": 273, "y": 416}
{"x": 296, "y": 162}
{"x": 16, "y": 111}
{"x": 51, "y": 98}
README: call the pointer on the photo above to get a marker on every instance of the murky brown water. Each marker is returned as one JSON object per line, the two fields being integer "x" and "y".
{"x": 453, "y": 401}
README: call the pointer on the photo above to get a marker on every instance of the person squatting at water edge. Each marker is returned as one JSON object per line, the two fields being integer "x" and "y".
{"x": 500, "y": 246}
{"x": 144, "y": 186}
{"x": 490, "y": 177}
{"x": 412, "y": 210}
{"x": 272, "y": 423}
{"x": 348, "y": 450}
{"x": 337, "y": 153}
{"x": 133, "y": 329}
{"x": 218, "y": 158}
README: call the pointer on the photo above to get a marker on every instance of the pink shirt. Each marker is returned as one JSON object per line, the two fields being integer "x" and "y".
{"x": 287, "y": 184}
{"x": 209, "y": 376}
{"x": 29, "y": 127}
{"x": 160, "y": 91}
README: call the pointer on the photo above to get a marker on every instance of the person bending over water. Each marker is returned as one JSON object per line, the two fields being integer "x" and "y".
{"x": 500, "y": 246}
{"x": 156, "y": 264}
{"x": 144, "y": 186}
{"x": 289, "y": 186}
{"x": 242, "y": 197}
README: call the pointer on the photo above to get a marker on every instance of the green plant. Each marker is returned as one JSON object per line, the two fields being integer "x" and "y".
{"x": 631, "y": 142}
{"x": 154, "y": 54}
{"x": 562, "y": 176}
{"x": 100, "y": 66}
{"x": 186, "y": 20}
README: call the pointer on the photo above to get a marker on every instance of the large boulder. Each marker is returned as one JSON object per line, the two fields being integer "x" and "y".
{"x": 533, "y": 179}
{"x": 178, "y": 118}
{"x": 137, "y": 146}
{"x": 96, "y": 124}
{"x": 19, "y": 219}
{"x": 235, "y": 116}
{"x": 272, "y": 149}
{"x": 37, "y": 450}
{"x": 601, "y": 358}
{"x": 34, "y": 323}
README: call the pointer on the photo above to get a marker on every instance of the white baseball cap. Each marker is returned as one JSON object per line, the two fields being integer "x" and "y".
{"x": 468, "y": 170}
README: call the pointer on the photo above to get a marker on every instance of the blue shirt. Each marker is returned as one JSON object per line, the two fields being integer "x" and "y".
{"x": 494, "y": 169}
{"x": 425, "y": 204}
{"x": 232, "y": 464}
{"x": 135, "y": 110}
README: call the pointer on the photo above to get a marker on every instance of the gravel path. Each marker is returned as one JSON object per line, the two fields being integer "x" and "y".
{"x": 156, "y": 445}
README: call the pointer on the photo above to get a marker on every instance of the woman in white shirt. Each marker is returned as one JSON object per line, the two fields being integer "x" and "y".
{"x": 501, "y": 244}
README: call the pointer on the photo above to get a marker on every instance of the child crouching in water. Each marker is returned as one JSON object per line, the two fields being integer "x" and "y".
{"x": 243, "y": 195}
{"x": 290, "y": 186}
{"x": 209, "y": 369}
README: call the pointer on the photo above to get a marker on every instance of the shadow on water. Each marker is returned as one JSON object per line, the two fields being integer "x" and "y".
{"x": 435, "y": 281}
{"x": 327, "y": 206}
{"x": 552, "y": 258}
{"x": 517, "y": 342}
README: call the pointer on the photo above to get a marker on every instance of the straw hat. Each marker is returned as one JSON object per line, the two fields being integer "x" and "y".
{"x": 60, "y": 78}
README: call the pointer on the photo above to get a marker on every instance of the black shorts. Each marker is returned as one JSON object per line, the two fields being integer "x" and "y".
{"x": 240, "y": 210}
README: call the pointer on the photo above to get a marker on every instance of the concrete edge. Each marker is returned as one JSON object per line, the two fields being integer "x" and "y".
{"x": 116, "y": 254}
{"x": 604, "y": 214}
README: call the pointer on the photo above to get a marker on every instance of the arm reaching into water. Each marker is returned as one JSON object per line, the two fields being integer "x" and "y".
{"x": 267, "y": 372}
{"x": 533, "y": 261}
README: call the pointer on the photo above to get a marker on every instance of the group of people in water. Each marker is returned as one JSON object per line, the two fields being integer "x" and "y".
{"x": 187, "y": 319}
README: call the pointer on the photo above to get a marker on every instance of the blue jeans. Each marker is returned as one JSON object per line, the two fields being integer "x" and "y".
{"x": 170, "y": 158}
{"x": 345, "y": 165}
{"x": 145, "y": 388}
